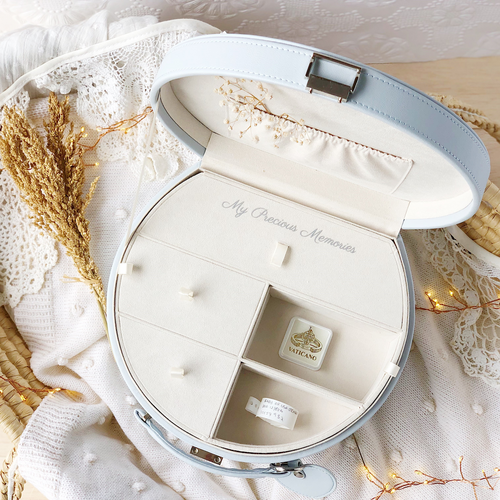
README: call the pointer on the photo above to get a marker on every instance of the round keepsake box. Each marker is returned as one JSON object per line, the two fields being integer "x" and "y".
{"x": 262, "y": 308}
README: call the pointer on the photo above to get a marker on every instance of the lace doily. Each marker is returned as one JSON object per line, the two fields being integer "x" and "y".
{"x": 21, "y": 101}
{"x": 26, "y": 253}
{"x": 116, "y": 85}
{"x": 477, "y": 338}
{"x": 110, "y": 87}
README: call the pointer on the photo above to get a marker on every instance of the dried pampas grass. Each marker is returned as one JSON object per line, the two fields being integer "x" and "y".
{"x": 50, "y": 175}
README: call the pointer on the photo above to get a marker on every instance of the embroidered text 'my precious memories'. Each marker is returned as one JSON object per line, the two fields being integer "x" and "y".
{"x": 240, "y": 209}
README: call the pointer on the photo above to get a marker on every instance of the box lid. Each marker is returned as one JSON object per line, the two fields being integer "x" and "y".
{"x": 277, "y": 112}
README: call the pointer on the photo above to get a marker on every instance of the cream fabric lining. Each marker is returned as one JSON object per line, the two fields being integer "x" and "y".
{"x": 341, "y": 369}
{"x": 216, "y": 237}
{"x": 432, "y": 185}
{"x": 328, "y": 153}
{"x": 290, "y": 180}
{"x": 342, "y": 265}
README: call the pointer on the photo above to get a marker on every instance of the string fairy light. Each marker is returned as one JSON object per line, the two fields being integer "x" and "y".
{"x": 441, "y": 307}
{"x": 488, "y": 482}
{"x": 123, "y": 126}
{"x": 19, "y": 388}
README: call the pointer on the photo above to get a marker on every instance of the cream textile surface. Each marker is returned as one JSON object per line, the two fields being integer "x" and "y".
{"x": 94, "y": 449}
{"x": 364, "y": 30}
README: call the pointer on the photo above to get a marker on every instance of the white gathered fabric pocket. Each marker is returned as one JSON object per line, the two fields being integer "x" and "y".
{"x": 332, "y": 154}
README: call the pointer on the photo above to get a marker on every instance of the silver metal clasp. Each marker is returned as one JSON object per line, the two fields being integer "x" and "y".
{"x": 341, "y": 83}
{"x": 296, "y": 467}
{"x": 206, "y": 455}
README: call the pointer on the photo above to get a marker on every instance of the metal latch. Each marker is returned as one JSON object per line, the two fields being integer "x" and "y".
{"x": 341, "y": 85}
{"x": 206, "y": 455}
{"x": 296, "y": 468}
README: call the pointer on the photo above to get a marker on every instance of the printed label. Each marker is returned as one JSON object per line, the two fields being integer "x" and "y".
{"x": 305, "y": 343}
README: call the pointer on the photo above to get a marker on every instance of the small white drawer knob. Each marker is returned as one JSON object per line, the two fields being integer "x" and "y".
{"x": 279, "y": 254}
{"x": 125, "y": 268}
{"x": 177, "y": 372}
{"x": 186, "y": 293}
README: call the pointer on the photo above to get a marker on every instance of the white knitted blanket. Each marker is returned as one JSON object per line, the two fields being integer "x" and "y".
{"x": 94, "y": 449}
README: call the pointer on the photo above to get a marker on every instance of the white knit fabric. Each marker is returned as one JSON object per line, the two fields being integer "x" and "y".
{"x": 93, "y": 448}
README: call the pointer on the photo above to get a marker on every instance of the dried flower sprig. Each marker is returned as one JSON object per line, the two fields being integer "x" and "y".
{"x": 249, "y": 107}
{"x": 50, "y": 177}
{"x": 488, "y": 482}
{"x": 438, "y": 307}
{"x": 245, "y": 103}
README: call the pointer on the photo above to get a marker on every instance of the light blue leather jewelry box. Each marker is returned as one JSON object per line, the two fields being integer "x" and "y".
{"x": 311, "y": 165}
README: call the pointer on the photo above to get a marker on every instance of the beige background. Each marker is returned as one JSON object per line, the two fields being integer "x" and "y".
{"x": 474, "y": 81}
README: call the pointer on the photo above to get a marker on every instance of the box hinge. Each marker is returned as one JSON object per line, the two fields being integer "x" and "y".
{"x": 206, "y": 455}
{"x": 328, "y": 75}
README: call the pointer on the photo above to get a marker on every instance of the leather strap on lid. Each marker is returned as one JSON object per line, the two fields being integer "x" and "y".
{"x": 371, "y": 91}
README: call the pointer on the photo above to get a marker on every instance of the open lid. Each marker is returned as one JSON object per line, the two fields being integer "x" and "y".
{"x": 321, "y": 130}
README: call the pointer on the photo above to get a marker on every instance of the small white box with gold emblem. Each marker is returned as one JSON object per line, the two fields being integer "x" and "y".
{"x": 305, "y": 343}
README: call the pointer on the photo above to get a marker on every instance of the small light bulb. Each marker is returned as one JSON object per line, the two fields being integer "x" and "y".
{"x": 394, "y": 476}
{"x": 460, "y": 459}
{"x": 23, "y": 397}
{"x": 393, "y": 491}
{"x": 426, "y": 482}
{"x": 451, "y": 293}
{"x": 82, "y": 129}
{"x": 96, "y": 164}
{"x": 418, "y": 472}
{"x": 98, "y": 129}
